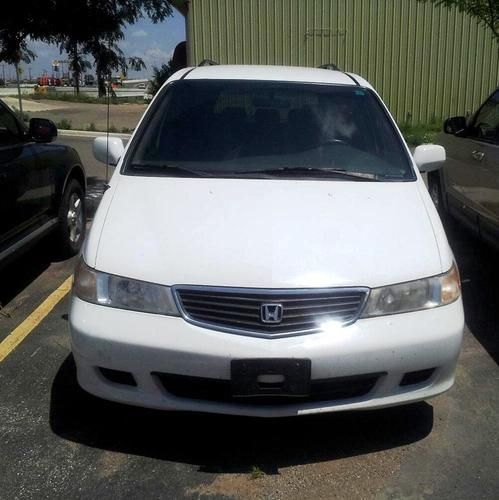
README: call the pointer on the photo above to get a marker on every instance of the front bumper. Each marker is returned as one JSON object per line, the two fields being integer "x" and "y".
{"x": 146, "y": 344}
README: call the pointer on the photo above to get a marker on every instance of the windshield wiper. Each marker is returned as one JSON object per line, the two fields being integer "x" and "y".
{"x": 168, "y": 170}
{"x": 323, "y": 172}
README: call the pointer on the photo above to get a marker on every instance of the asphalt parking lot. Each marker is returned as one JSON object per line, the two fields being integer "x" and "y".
{"x": 58, "y": 442}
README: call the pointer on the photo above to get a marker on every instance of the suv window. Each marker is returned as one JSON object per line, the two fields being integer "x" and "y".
{"x": 233, "y": 128}
{"x": 9, "y": 129}
{"x": 486, "y": 124}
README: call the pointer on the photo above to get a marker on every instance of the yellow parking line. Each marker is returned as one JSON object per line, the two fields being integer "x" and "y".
{"x": 33, "y": 320}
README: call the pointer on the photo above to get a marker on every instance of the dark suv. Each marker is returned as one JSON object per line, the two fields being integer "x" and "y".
{"x": 42, "y": 187}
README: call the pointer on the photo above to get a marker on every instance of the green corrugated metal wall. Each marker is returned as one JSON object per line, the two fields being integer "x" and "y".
{"x": 425, "y": 61}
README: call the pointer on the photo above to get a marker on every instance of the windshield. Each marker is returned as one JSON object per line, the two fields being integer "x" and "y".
{"x": 232, "y": 128}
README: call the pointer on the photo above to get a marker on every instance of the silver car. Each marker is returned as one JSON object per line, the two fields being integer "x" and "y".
{"x": 468, "y": 185}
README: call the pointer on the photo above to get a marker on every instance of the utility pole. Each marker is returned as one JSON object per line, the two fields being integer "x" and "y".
{"x": 18, "y": 69}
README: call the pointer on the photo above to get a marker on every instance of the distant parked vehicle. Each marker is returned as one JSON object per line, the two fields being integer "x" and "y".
{"x": 42, "y": 187}
{"x": 48, "y": 81}
{"x": 141, "y": 85}
{"x": 468, "y": 185}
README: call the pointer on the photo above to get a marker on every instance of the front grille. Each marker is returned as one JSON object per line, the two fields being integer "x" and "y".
{"x": 220, "y": 391}
{"x": 240, "y": 310}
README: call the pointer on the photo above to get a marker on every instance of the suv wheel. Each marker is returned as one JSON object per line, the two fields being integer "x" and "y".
{"x": 72, "y": 219}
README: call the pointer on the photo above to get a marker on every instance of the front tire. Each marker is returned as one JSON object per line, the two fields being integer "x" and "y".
{"x": 435, "y": 190}
{"x": 71, "y": 231}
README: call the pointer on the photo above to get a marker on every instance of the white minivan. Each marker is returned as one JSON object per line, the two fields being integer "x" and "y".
{"x": 266, "y": 247}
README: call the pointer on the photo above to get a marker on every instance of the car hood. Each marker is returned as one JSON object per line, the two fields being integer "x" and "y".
{"x": 265, "y": 233}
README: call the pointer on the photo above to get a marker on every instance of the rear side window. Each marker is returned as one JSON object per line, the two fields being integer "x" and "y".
{"x": 230, "y": 126}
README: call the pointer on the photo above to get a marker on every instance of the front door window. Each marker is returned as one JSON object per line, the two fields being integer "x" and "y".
{"x": 486, "y": 124}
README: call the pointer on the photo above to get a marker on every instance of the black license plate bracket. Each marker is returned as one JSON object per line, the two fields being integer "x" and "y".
{"x": 288, "y": 377}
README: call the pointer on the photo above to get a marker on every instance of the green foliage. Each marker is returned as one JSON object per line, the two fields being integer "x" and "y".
{"x": 91, "y": 127}
{"x": 256, "y": 472}
{"x": 79, "y": 27}
{"x": 64, "y": 124}
{"x": 485, "y": 11}
{"x": 421, "y": 133}
{"x": 76, "y": 58}
{"x": 18, "y": 22}
{"x": 160, "y": 75}
{"x": 113, "y": 128}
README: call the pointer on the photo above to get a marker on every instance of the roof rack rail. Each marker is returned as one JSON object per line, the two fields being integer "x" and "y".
{"x": 330, "y": 66}
{"x": 208, "y": 62}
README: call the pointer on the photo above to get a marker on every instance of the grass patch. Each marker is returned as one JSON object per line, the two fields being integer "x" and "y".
{"x": 256, "y": 472}
{"x": 64, "y": 124}
{"x": 83, "y": 98}
{"x": 423, "y": 133}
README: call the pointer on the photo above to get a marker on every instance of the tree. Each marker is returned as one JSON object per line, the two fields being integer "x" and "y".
{"x": 19, "y": 24}
{"x": 78, "y": 26}
{"x": 104, "y": 47}
{"x": 160, "y": 75}
{"x": 74, "y": 23}
{"x": 77, "y": 62}
{"x": 485, "y": 11}
{"x": 13, "y": 50}
{"x": 108, "y": 58}
{"x": 108, "y": 28}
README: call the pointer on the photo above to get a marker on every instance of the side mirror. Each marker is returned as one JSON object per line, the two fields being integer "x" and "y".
{"x": 455, "y": 125}
{"x": 112, "y": 151}
{"x": 42, "y": 130}
{"x": 429, "y": 157}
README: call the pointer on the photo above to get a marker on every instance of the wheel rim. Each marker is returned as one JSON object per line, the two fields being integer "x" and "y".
{"x": 435, "y": 195}
{"x": 75, "y": 218}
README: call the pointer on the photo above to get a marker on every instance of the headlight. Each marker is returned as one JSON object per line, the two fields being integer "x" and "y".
{"x": 122, "y": 293}
{"x": 414, "y": 295}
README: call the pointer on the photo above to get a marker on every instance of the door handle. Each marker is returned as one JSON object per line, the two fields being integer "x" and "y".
{"x": 478, "y": 155}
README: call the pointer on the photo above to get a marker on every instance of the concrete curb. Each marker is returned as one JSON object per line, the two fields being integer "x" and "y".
{"x": 86, "y": 133}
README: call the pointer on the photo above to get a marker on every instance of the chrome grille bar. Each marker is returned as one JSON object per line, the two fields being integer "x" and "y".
{"x": 238, "y": 310}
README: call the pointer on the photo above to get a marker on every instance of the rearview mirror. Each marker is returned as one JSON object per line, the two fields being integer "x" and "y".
{"x": 42, "y": 130}
{"x": 429, "y": 157}
{"x": 111, "y": 151}
{"x": 455, "y": 125}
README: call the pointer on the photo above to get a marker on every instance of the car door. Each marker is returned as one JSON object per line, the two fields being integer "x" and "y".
{"x": 25, "y": 188}
{"x": 486, "y": 130}
{"x": 466, "y": 176}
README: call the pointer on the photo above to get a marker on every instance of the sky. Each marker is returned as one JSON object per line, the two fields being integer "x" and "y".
{"x": 154, "y": 43}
